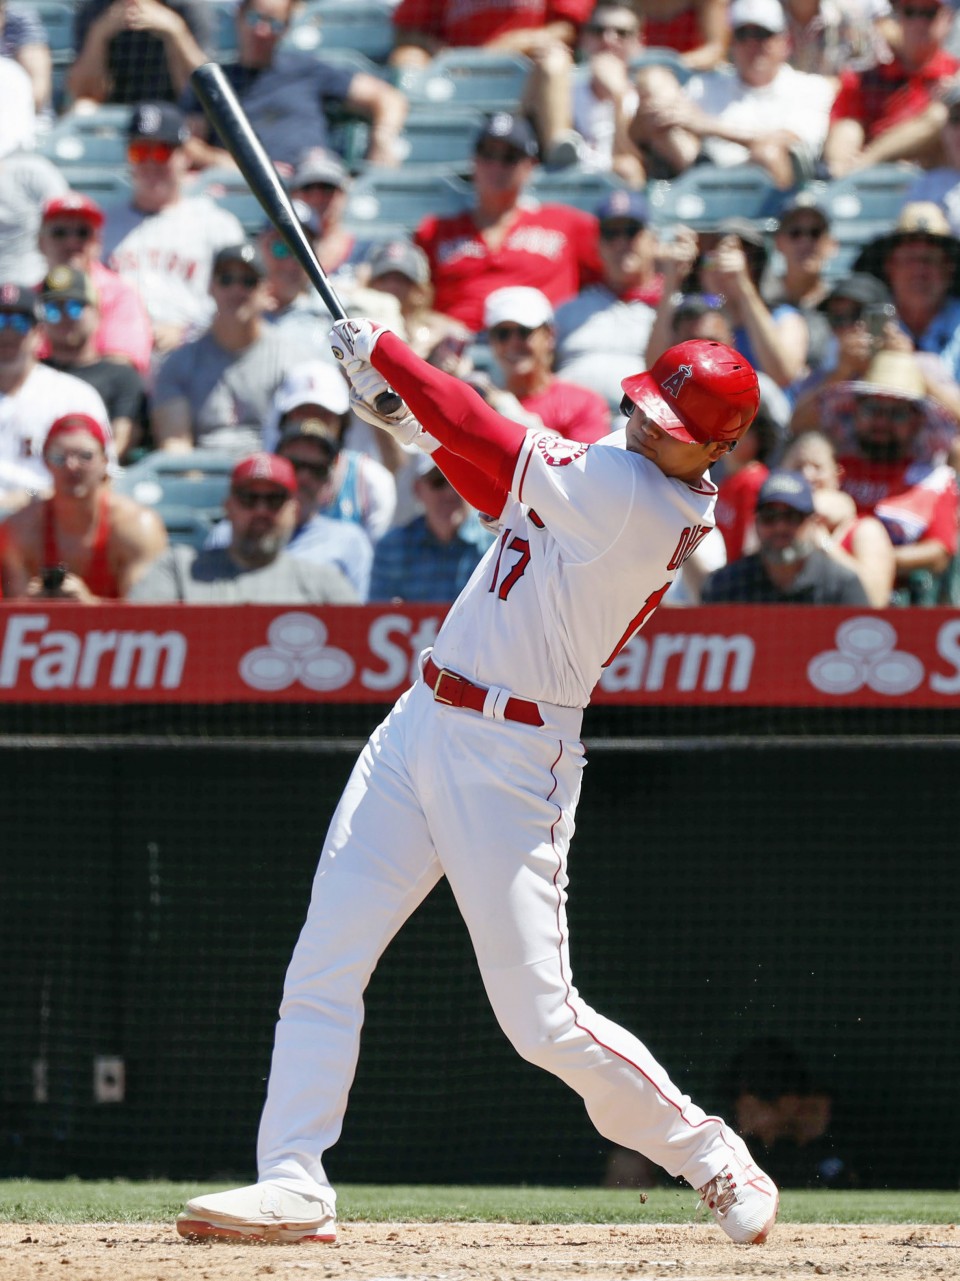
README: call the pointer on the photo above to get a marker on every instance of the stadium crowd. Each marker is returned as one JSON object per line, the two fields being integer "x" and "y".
{"x": 783, "y": 177}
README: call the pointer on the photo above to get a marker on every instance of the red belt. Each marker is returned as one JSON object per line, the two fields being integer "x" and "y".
{"x": 457, "y": 691}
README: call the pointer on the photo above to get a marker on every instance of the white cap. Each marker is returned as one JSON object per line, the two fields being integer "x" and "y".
{"x": 758, "y": 13}
{"x": 524, "y": 306}
{"x": 313, "y": 383}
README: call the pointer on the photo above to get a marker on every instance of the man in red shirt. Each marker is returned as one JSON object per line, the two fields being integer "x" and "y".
{"x": 880, "y": 115}
{"x": 425, "y": 27}
{"x": 504, "y": 239}
{"x": 520, "y": 328}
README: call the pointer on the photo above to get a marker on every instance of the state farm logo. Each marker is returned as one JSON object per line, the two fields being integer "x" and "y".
{"x": 296, "y": 653}
{"x": 50, "y": 658}
{"x": 865, "y": 656}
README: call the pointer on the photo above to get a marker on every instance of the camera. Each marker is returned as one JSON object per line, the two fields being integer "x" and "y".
{"x": 52, "y": 577}
{"x": 877, "y": 316}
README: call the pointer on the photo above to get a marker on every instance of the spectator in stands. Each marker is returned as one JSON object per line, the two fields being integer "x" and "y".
{"x": 400, "y": 268}
{"x": 23, "y": 38}
{"x": 18, "y": 120}
{"x": 27, "y": 182}
{"x": 286, "y": 94}
{"x": 699, "y": 30}
{"x": 33, "y": 397}
{"x": 805, "y": 246}
{"x": 360, "y": 488}
{"x": 295, "y": 307}
{"x": 215, "y": 391}
{"x": 789, "y": 568}
{"x": 164, "y": 240}
{"x": 767, "y": 113}
{"x": 503, "y": 240}
{"x": 70, "y": 236}
{"x": 85, "y": 543}
{"x": 255, "y": 568}
{"x": 893, "y": 443}
{"x": 424, "y": 28}
{"x": 827, "y": 38}
{"x": 322, "y": 182}
{"x": 581, "y": 102}
{"x": 600, "y": 332}
{"x": 859, "y": 542}
{"x": 520, "y": 328}
{"x": 71, "y": 320}
{"x": 880, "y": 114}
{"x": 786, "y": 1116}
{"x": 138, "y": 50}
{"x": 941, "y": 184}
{"x": 432, "y": 557}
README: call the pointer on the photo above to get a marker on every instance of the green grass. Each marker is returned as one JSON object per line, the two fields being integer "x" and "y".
{"x": 79, "y": 1201}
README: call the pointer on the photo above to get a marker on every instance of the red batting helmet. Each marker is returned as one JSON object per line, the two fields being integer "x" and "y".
{"x": 699, "y": 391}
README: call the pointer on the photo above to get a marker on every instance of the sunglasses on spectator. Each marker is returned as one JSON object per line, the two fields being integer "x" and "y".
{"x": 280, "y": 249}
{"x": 808, "y": 232}
{"x": 743, "y": 34}
{"x": 911, "y": 11}
{"x": 324, "y": 188}
{"x": 54, "y": 312}
{"x": 63, "y": 231}
{"x": 59, "y": 457}
{"x": 250, "y": 499}
{"x": 227, "y": 278}
{"x": 844, "y": 319}
{"x": 16, "y": 321}
{"x": 253, "y": 19}
{"x": 507, "y": 156}
{"x": 619, "y": 230}
{"x": 503, "y": 333}
{"x": 319, "y": 471}
{"x": 886, "y": 409}
{"x": 605, "y": 29}
{"x": 435, "y": 480}
{"x": 139, "y": 153}
{"x": 770, "y": 515}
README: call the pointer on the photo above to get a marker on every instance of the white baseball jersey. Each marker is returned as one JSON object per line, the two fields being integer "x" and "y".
{"x": 168, "y": 255}
{"x": 581, "y": 517}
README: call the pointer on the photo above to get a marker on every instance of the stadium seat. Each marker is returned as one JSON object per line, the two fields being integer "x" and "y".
{"x": 68, "y": 147}
{"x": 468, "y": 78}
{"x": 195, "y": 482}
{"x": 57, "y": 18}
{"x": 443, "y": 143}
{"x": 183, "y": 525}
{"x": 706, "y": 194}
{"x": 364, "y": 26}
{"x": 577, "y": 187}
{"x": 229, "y": 189}
{"x": 402, "y": 199}
{"x": 106, "y": 184}
{"x": 224, "y": 30}
{"x": 875, "y": 194}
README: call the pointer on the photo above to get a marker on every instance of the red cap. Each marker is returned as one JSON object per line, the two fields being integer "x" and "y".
{"x": 268, "y": 469}
{"x": 73, "y": 204}
{"x": 77, "y": 422}
{"x": 698, "y": 391}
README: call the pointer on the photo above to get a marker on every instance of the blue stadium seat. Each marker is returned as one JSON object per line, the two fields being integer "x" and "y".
{"x": 441, "y": 142}
{"x": 706, "y": 194}
{"x": 183, "y": 525}
{"x": 468, "y": 78}
{"x": 195, "y": 483}
{"x": 229, "y": 189}
{"x": 106, "y": 184}
{"x": 577, "y": 187}
{"x": 67, "y": 147}
{"x": 365, "y": 26}
{"x": 224, "y": 30}
{"x": 402, "y": 198}
{"x": 875, "y": 194}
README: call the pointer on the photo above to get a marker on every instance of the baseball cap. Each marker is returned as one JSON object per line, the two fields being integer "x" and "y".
{"x": 859, "y": 287}
{"x": 306, "y": 216}
{"x": 758, "y": 13}
{"x": 402, "y": 256}
{"x": 20, "y": 299}
{"x": 803, "y": 202}
{"x": 789, "y": 489}
{"x": 623, "y": 204}
{"x": 76, "y": 422}
{"x": 320, "y": 165}
{"x": 519, "y": 303}
{"x": 315, "y": 382}
{"x": 506, "y": 127}
{"x": 158, "y": 122}
{"x": 246, "y": 253}
{"x": 264, "y": 469}
{"x": 73, "y": 204}
{"x": 65, "y": 284}
{"x": 310, "y": 429}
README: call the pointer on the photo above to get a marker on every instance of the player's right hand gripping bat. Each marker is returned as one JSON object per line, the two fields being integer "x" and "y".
{"x": 225, "y": 113}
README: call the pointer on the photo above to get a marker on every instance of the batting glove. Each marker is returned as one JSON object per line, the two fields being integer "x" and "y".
{"x": 353, "y": 341}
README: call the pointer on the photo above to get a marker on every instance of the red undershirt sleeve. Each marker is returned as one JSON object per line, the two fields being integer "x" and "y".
{"x": 479, "y": 447}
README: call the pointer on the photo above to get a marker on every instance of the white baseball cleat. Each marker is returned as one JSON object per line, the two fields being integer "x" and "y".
{"x": 743, "y": 1200}
{"x": 260, "y": 1212}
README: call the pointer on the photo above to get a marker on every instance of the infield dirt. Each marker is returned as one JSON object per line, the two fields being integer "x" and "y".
{"x": 484, "y": 1252}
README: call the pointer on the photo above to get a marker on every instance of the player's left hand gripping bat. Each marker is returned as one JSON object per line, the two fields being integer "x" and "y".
{"x": 225, "y": 113}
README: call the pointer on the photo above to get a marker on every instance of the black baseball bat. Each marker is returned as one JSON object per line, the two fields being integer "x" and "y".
{"x": 225, "y": 113}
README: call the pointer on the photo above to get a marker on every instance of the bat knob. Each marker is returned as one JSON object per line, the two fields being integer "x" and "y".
{"x": 388, "y": 402}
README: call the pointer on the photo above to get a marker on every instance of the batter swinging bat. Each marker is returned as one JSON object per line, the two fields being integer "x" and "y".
{"x": 230, "y": 121}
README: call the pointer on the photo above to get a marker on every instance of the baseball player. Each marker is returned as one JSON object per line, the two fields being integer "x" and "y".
{"x": 475, "y": 773}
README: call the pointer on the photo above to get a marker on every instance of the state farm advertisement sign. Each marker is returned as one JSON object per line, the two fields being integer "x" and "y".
{"x": 745, "y": 655}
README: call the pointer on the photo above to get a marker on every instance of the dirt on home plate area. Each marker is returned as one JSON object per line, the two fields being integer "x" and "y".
{"x": 483, "y": 1252}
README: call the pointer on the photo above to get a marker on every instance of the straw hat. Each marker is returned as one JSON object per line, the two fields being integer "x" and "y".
{"x": 891, "y": 373}
{"x": 918, "y": 220}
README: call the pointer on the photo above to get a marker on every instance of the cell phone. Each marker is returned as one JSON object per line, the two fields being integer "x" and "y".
{"x": 52, "y": 577}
